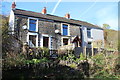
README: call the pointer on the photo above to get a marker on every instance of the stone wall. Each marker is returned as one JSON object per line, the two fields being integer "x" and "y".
{"x": 20, "y": 33}
{"x": 74, "y": 30}
{"x": 44, "y": 27}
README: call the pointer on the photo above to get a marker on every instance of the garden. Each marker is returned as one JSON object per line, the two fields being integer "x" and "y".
{"x": 38, "y": 63}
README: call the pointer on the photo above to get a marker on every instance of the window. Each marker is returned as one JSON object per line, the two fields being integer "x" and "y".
{"x": 88, "y": 33}
{"x": 65, "y": 29}
{"x": 46, "y": 42}
{"x": 32, "y": 25}
{"x": 65, "y": 41}
{"x": 32, "y": 40}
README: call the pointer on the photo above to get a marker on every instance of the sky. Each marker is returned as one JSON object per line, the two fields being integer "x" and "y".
{"x": 97, "y": 13}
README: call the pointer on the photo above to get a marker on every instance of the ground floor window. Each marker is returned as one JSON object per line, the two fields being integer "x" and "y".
{"x": 89, "y": 44}
{"x": 65, "y": 41}
{"x": 32, "y": 40}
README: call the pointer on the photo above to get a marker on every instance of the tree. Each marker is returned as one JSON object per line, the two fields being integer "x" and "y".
{"x": 106, "y": 26}
{"x": 6, "y": 38}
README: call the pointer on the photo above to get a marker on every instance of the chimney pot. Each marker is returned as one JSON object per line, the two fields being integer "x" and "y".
{"x": 44, "y": 11}
{"x": 13, "y": 5}
{"x": 67, "y": 15}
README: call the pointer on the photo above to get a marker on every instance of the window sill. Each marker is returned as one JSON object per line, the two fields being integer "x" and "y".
{"x": 32, "y": 31}
{"x": 90, "y": 39}
{"x": 66, "y": 35}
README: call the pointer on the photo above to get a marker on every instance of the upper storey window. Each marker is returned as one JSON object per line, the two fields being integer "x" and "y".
{"x": 65, "y": 29}
{"x": 32, "y": 24}
{"x": 88, "y": 33}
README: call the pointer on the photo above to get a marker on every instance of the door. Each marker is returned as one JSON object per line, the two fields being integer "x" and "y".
{"x": 46, "y": 42}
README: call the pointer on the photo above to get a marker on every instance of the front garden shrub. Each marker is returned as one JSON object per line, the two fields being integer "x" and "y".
{"x": 44, "y": 52}
{"x": 13, "y": 59}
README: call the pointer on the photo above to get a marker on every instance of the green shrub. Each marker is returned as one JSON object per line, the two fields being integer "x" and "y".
{"x": 13, "y": 59}
{"x": 73, "y": 65}
{"x": 44, "y": 52}
{"x": 104, "y": 66}
{"x": 36, "y": 61}
{"x": 82, "y": 57}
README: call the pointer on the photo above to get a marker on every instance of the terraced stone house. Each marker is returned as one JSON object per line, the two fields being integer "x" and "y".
{"x": 51, "y": 31}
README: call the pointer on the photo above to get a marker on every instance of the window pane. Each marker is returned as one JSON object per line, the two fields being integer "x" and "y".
{"x": 32, "y": 40}
{"x": 32, "y": 21}
{"x": 65, "y": 29}
{"x": 65, "y": 26}
{"x": 88, "y": 33}
{"x": 65, "y": 41}
{"x": 32, "y": 25}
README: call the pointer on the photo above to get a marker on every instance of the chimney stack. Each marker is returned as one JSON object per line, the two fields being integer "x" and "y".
{"x": 44, "y": 11}
{"x": 13, "y": 5}
{"x": 67, "y": 15}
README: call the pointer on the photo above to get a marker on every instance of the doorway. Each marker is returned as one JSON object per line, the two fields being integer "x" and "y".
{"x": 46, "y": 42}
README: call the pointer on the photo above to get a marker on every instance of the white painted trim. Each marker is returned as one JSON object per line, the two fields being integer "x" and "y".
{"x": 68, "y": 28}
{"x": 46, "y": 35}
{"x": 12, "y": 21}
{"x": 36, "y": 22}
{"x": 90, "y": 32}
{"x": 49, "y": 42}
{"x": 29, "y": 33}
{"x": 41, "y": 41}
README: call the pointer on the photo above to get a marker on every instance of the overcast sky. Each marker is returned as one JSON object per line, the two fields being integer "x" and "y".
{"x": 95, "y": 12}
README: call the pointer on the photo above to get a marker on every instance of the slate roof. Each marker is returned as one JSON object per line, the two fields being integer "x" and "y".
{"x": 53, "y": 17}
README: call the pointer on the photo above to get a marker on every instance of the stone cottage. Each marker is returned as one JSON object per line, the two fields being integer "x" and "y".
{"x": 51, "y": 31}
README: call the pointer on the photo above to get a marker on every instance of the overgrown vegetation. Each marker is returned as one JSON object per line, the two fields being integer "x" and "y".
{"x": 105, "y": 66}
{"x": 110, "y": 37}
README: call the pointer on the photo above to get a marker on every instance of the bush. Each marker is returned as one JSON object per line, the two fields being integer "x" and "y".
{"x": 13, "y": 59}
{"x": 44, "y": 52}
{"x": 36, "y": 61}
{"x": 73, "y": 65}
{"x": 82, "y": 57}
{"x": 104, "y": 66}
{"x": 38, "y": 53}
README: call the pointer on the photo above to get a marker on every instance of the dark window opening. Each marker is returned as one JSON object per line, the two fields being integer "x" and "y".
{"x": 32, "y": 25}
{"x": 46, "y": 42}
{"x": 88, "y": 33}
{"x": 65, "y": 41}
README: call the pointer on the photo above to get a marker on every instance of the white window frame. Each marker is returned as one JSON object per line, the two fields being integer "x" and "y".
{"x": 29, "y": 33}
{"x": 68, "y": 28}
{"x": 66, "y": 38}
{"x": 36, "y": 23}
{"x": 41, "y": 40}
{"x": 90, "y": 33}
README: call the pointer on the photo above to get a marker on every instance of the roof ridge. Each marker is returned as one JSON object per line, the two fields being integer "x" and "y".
{"x": 63, "y": 19}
